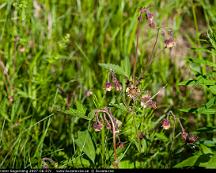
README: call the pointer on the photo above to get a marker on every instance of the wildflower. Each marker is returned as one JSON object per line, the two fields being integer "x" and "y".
{"x": 166, "y": 124}
{"x": 146, "y": 101}
{"x": 133, "y": 91}
{"x": 168, "y": 40}
{"x": 169, "y": 43}
{"x": 117, "y": 84}
{"x": 184, "y": 135}
{"x": 108, "y": 86}
{"x": 189, "y": 138}
{"x": 150, "y": 18}
{"x": 88, "y": 93}
{"x": 97, "y": 126}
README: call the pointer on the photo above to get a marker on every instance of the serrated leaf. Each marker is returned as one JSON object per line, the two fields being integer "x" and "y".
{"x": 85, "y": 144}
{"x": 206, "y": 111}
{"x": 212, "y": 89}
{"x": 76, "y": 113}
{"x": 120, "y": 106}
{"x": 187, "y": 162}
{"x": 116, "y": 68}
{"x": 199, "y": 81}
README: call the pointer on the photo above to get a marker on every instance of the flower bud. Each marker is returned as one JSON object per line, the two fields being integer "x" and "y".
{"x": 191, "y": 139}
{"x": 108, "y": 86}
{"x": 169, "y": 43}
{"x": 166, "y": 124}
{"x": 97, "y": 126}
{"x": 184, "y": 135}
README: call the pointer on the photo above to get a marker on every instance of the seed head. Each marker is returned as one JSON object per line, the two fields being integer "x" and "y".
{"x": 133, "y": 91}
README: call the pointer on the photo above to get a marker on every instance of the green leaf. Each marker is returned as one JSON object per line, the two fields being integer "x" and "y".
{"x": 161, "y": 136}
{"x": 213, "y": 89}
{"x": 188, "y": 162}
{"x": 126, "y": 164}
{"x": 188, "y": 82}
{"x": 119, "y": 106}
{"x": 211, "y": 163}
{"x": 205, "y": 109}
{"x": 205, "y": 149}
{"x": 116, "y": 68}
{"x": 126, "y": 65}
{"x": 203, "y": 62}
{"x": 76, "y": 113}
{"x": 84, "y": 142}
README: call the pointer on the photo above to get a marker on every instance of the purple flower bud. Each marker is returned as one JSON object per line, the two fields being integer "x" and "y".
{"x": 166, "y": 124}
{"x": 169, "y": 43}
{"x": 97, "y": 126}
{"x": 184, "y": 135}
{"x": 118, "y": 86}
{"x": 108, "y": 86}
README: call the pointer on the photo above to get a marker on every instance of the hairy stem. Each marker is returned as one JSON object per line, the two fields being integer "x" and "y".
{"x": 153, "y": 49}
{"x": 136, "y": 51}
{"x": 106, "y": 111}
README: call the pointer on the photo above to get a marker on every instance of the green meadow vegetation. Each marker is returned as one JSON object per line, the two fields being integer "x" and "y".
{"x": 107, "y": 84}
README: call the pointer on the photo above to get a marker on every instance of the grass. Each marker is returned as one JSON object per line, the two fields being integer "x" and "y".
{"x": 55, "y": 60}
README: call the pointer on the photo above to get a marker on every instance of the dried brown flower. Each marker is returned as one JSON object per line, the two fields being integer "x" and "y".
{"x": 133, "y": 91}
{"x": 188, "y": 138}
{"x": 146, "y": 101}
